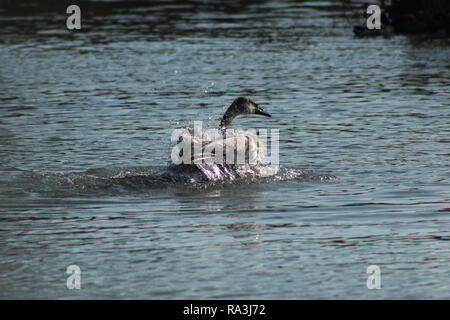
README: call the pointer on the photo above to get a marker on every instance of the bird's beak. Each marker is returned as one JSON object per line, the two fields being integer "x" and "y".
{"x": 260, "y": 111}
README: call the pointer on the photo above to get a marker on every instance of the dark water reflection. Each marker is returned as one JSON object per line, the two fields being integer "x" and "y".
{"x": 85, "y": 124}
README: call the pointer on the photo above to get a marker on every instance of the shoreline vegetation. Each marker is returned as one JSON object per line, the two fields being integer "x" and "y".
{"x": 419, "y": 16}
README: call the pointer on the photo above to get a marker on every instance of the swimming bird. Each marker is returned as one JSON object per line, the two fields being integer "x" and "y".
{"x": 223, "y": 153}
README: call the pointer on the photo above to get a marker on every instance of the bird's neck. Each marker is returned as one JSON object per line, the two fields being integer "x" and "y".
{"x": 228, "y": 117}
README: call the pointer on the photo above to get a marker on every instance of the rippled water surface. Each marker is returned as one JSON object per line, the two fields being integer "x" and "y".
{"x": 85, "y": 124}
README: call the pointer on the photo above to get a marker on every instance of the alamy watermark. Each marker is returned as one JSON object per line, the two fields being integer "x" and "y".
{"x": 74, "y": 20}
{"x": 374, "y": 20}
{"x": 74, "y": 280}
{"x": 237, "y": 147}
{"x": 374, "y": 279}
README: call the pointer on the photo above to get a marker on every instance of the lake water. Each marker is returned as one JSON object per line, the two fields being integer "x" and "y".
{"x": 85, "y": 124}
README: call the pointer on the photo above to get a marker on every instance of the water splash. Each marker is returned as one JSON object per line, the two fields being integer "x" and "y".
{"x": 142, "y": 179}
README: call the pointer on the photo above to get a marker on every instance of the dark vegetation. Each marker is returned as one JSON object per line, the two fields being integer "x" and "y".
{"x": 419, "y": 16}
